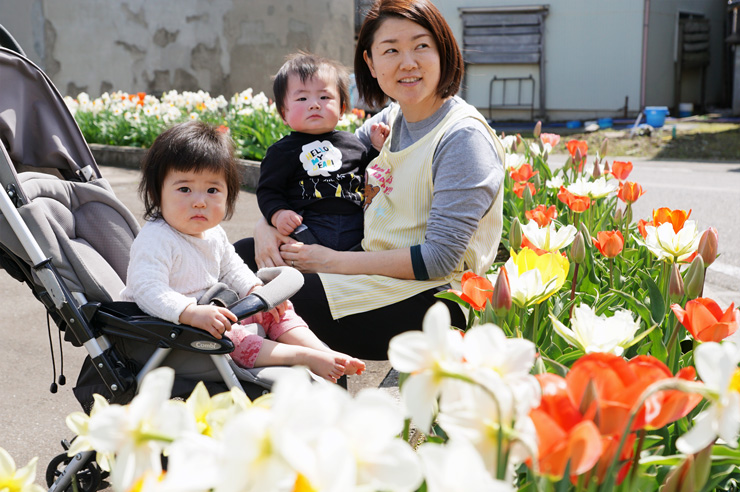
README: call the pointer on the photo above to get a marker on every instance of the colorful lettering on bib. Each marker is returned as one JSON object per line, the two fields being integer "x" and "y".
{"x": 321, "y": 158}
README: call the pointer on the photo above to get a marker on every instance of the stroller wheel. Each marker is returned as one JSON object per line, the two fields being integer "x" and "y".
{"x": 88, "y": 478}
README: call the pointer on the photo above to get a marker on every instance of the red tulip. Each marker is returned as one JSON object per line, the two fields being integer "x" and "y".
{"x": 704, "y": 319}
{"x": 578, "y": 150}
{"x": 518, "y": 189}
{"x": 629, "y": 192}
{"x": 621, "y": 170}
{"x": 543, "y": 216}
{"x": 576, "y": 203}
{"x": 609, "y": 243}
{"x": 550, "y": 138}
{"x": 641, "y": 227}
{"x": 708, "y": 246}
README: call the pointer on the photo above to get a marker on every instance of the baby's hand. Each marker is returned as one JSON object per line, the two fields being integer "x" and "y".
{"x": 213, "y": 319}
{"x": 378, "y": 133}
{"x": 276, "y": 312}
{"x": 285, "y": 221}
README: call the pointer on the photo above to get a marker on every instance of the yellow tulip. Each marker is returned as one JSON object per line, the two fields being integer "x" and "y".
{"x": 533, "y": 278}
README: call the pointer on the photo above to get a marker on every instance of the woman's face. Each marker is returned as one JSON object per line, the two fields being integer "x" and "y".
{"x": 405, "y": 60}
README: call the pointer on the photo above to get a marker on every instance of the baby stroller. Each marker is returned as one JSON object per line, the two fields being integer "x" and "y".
{"x": 64, "y": 233}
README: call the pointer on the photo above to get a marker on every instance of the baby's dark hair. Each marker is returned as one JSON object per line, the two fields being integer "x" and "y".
{"x": 306, "y": 66}
{"x": 191, "y": 146}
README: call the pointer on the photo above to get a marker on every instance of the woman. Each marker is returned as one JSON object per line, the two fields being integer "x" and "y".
{"x": 433, "y": 197}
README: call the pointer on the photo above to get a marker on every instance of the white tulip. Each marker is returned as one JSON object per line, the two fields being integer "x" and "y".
{"x": 593, "y": 333}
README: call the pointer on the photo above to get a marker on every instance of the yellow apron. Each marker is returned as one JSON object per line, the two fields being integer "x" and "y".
{"x": 398, "y": 202}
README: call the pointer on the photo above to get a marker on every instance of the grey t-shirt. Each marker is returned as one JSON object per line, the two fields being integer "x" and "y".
{"x": 467, "y": 174}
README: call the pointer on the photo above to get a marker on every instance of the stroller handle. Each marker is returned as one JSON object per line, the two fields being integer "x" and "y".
{"x": 280, "y": 284}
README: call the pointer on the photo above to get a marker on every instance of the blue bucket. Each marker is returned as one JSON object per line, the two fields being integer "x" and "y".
{"x": 655, "y": 115}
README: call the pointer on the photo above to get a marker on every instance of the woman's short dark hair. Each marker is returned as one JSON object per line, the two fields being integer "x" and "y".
{"x": 306, "y": 65}
{"x": 191, "y": 146}
{"x": 424, "y": 13}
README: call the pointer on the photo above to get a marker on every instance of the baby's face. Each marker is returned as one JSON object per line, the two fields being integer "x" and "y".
{"x": 312, "y": 106}
{"x": 193, "y": 202}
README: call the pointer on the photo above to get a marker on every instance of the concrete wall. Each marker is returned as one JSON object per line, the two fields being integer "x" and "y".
{"x": 220, "y": 46}
{"x": 593, "y": 56}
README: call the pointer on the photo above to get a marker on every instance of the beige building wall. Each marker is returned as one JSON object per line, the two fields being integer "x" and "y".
{"x": 220, "y": 46}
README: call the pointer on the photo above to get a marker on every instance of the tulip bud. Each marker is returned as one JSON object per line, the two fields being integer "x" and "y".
{"x": 596, "y": 173}
{"x": 675, "y": 284}
{"x": 578, "y": 249}
{"x": 537, "y": 129}
{"x": 708, "y": 246}
{"x": 618, "y": 216}
{"x": 527, "y": 196}
{"x": 586, "y": 234}
{"x": 680, "y": 477}
{"x": 519, "y": 142}
{"x": 537, "y": 181}
{"x": 606, "y": 167}
{"x": 501, "y": 293}
{"x": 515, "y": 234}
{"x": 604, "y": 147}
{"x": 539, "y": 366}
{"x": 694, "y": 280}
{"x": 702, "y": 467}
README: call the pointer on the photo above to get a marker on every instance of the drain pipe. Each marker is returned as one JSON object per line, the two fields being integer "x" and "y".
{"x": 645, "y": 23}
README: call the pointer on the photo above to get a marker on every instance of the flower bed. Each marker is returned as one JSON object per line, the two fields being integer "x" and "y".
{"x": 590, "y": 361}
{"x": 135, "y": 120}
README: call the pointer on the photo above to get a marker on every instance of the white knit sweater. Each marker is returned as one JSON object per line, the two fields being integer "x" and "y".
{"x": 169, "y": 270}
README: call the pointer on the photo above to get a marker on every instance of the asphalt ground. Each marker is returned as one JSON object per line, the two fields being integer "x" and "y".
{"x": 32, "y": 419}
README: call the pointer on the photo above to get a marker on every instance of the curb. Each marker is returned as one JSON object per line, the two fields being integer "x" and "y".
{"x": 130, "y": 158}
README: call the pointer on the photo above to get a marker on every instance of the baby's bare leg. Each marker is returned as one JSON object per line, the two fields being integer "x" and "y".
{"x": 302, "y": 335}
{"x": 327, "y": 364}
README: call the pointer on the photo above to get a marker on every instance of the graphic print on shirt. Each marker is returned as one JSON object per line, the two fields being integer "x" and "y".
{"x": 320, "y": 158}
{"x": 380, "y": 176}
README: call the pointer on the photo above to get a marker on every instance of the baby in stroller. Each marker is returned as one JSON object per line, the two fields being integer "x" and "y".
{"x": 182, "y": 257}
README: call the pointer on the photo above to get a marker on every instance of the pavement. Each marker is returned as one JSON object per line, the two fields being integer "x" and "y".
{"x": 32, "y": 419}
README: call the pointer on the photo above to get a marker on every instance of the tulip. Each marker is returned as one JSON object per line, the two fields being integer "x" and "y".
{"x": 629, "y": 192}
{"x": 618, "y": 216}
{"x": 596, "y": 173}
{"x": 597, "y": 188}
{"x": 514, "y": 161}
{"x": 543, "y": 216}
{"x": 583, "y": 228}
{"x": 609, "y": 243}
{"x": 691, "y": 474}
{"x": 501, "y": 302}
{"x": 523, "y": 174}
{"x": 641, "y": 224}
{"x": 693, "y": 281}
{"x": 515, "y": 234}
{"x": 551, "y": 139}
{"x": 537, "y": 130}
{"x": 604, "y": 147}
{"x": 675, "y": 284}
{"x": 668, "y": 245}
{"x": 717, "y": 366}
{"x": 476, "y": 290}
{"x": 533, "y": 278}
{"x": 527, "y": 196}
{"x": 578, "y": 150}
{"x": 548, "y": 238}
{"x": 676, "y": 218}
{"x": 607, "y": 170}
{"x": 597, "y": 333}
{"x": 576, "y": 203}
{"x": 578, "y": 249}
{"x": 621, "y": 170}
{"x": 708, "y": 246}
{"x": 704, "y": 319}
{"x": 519, "y": 189}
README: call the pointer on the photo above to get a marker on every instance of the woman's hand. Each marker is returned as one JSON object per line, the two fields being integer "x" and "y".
{"x": 308, "y": 258}
{"x": 267, "y": 241}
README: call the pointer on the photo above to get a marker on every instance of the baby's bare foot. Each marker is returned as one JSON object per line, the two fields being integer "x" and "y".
{"x": 354, "y": 366}
{"x": 330, "y": 366}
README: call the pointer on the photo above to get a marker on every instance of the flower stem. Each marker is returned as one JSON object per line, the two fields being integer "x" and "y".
{"x": 636, "y": 458}
{"x": 673, "y": 348}
{"x": 611, "y": 273}
{"x": 573, "y": 289}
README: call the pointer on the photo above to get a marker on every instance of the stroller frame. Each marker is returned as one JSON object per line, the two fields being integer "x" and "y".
{"x": 96, "y": 325}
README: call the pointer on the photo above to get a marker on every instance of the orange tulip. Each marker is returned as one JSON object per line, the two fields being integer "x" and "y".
{"x": 550, "y": 138}
{"x": 476, "y": 290}
{"x": 629, "y": 192}
{"x": 576, "y": 147}
{"x": 621, "y": 170}
{"x": 564, "y": 435}
{"x": 609, "y": 243}
{"x": 523, "y": 174}
{"x": 576, "y": 203}
{"x": 518, "y": 189}
{"x": 641, "y": 227}
{"x": 675, "y": 217}
{"x": 543, "y": 216}
{"x": 704, "y": 319}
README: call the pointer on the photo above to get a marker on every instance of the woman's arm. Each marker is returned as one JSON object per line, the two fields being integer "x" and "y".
{"x": 312, "y": 258}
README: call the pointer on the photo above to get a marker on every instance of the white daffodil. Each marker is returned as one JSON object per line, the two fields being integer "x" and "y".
{"x": 514, "y": 161}
{"x": 592, "y": 333}
{"x": 598, "y": 188}
{"x": 555, "y": 183}
{"x": 457, "y": 467}
{"x": 193, "y": 465}
{"x": 212, "y": 412}
{"x": 549, "y": 238}
{"x": 426, "y": 355}
{"x": 17, "y": 480}
{"x": 717, "y": 365}
{"x": 666, "y": 244}
{"x": 139, "y": 432}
